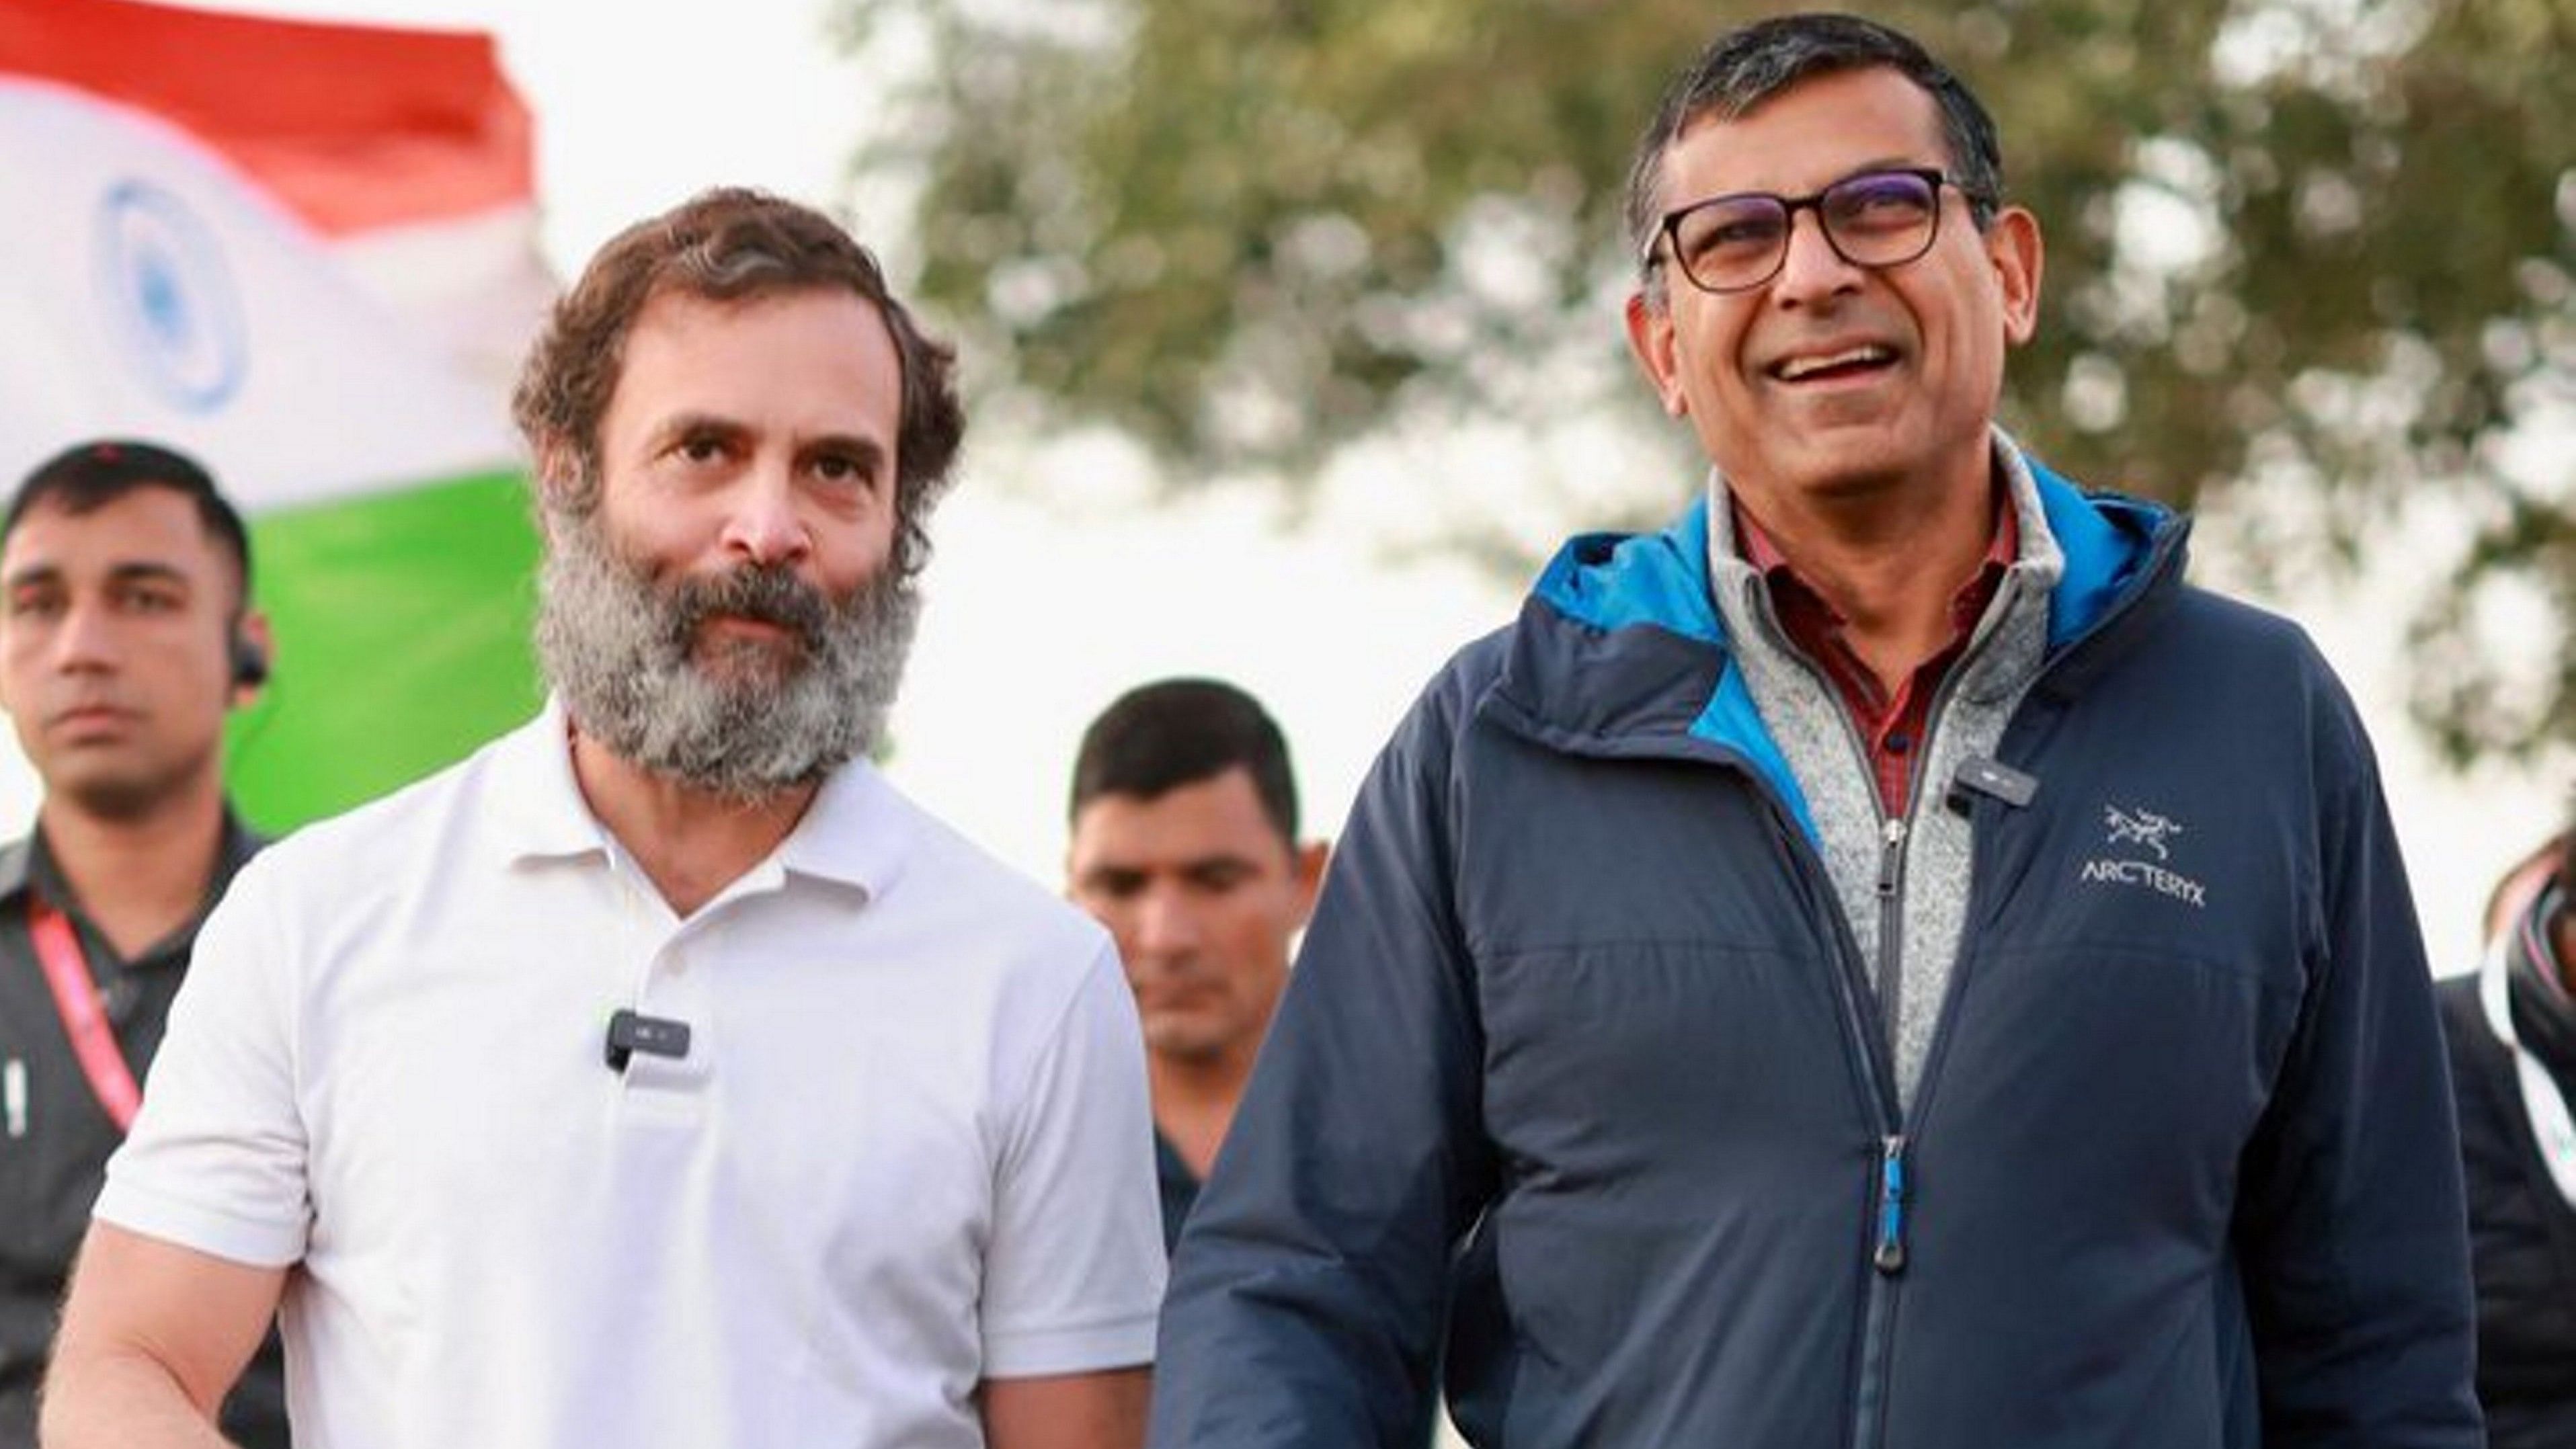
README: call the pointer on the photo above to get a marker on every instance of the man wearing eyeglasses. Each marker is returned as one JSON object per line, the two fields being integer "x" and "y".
{"x": 1882, "y": 961}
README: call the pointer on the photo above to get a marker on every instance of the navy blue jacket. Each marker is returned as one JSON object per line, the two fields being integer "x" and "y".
{"x": 1578, "y": 1060}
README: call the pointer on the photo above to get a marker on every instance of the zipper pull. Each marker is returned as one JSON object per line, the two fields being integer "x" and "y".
{"x": 1890, "y": 1257}
{"x": 1891, "y": 835}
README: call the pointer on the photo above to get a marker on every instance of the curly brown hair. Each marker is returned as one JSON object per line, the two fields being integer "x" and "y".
{"x": 727, "y": 244}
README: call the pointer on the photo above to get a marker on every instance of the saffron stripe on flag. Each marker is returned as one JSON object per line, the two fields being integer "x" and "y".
{"x": 352, "y": 127}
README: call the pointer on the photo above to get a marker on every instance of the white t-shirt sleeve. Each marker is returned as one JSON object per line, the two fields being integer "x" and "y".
{"x": 216, "y": 1160}
{"x": 1073, "y": 1276}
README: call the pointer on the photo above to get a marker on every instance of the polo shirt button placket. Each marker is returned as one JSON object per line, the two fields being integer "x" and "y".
{"x": 672, "y": 987}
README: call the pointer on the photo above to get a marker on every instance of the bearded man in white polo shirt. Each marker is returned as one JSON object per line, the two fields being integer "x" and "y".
{"x": 658, "y": 1076}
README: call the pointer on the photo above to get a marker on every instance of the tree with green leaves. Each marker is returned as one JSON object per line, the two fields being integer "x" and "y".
{"x": 2328, "y": 246}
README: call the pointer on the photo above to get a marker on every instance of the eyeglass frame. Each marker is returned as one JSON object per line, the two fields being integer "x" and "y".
{"x": 1665, "y": 244}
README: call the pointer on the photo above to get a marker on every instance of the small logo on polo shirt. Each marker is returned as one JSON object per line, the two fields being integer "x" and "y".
{"x": 2134, "y": 833}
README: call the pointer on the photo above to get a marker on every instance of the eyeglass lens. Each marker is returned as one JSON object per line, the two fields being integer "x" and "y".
{"x": 1876, "y": 219}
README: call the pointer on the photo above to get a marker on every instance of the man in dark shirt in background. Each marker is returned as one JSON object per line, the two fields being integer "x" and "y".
{"x": 125, "y": 635}
{"x": 1184, "y": 817}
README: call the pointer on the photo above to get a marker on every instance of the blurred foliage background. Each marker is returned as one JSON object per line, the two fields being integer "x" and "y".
{"x": 2320, "y": 250}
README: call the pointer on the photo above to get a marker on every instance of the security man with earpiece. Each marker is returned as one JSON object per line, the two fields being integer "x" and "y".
{"x": 126, "y": 633}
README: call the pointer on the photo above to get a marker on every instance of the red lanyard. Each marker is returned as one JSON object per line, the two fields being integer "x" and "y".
{"x": 76, "y": 999}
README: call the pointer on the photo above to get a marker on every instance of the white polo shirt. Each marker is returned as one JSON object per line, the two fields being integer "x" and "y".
{"x": 908, "y": 1149}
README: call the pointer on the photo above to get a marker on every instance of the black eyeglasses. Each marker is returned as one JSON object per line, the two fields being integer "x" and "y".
{"x": 1739, "y": 241}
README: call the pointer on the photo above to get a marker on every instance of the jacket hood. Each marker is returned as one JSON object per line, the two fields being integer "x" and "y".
{"x": 1621, "y": 651}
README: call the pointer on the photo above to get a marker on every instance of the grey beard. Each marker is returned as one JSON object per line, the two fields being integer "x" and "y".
{"x": 620, "y": 649}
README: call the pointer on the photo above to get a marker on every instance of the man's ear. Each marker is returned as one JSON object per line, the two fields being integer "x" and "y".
{"x": 558, "y": 477}
{"x": 1308, "y": 870}
{"x": 254, "y": 656}
{"x": 1650, "y": 338}
{"x": 2014, "y": 248}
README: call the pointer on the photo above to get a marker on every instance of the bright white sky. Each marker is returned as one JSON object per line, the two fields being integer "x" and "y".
{"x": 1041, "y": 611}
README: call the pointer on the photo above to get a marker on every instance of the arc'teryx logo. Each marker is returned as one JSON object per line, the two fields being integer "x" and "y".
{"x": 2143, "y": 830}
{"x": 2143, "y": 827}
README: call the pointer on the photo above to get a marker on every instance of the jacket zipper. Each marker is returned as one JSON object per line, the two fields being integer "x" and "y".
{"x": 1891, "y": 924}
{"x": 1887, "y": 1241}
{"x": 1887, "y": 1256}
{"x": 1889, "y": 1252}
{"x": 1878, "y": 1057}
{"x": 1884, "y": 1258}
{"x": 1872, "y": 1039}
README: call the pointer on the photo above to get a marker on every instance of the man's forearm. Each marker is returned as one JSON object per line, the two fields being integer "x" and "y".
{"x": 153, "y": 1336}
{"x": 1101, "y": 1410}
{"x": 105, "y": 1399}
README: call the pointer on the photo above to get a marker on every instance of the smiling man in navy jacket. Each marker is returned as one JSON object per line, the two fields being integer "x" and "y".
{"x": 1881, "y": 962}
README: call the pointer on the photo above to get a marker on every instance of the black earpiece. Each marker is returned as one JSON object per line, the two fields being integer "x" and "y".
{"x": 250, "y": 662}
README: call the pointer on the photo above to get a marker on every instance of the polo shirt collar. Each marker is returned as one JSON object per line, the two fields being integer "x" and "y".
{"x": 857, "y": 831}
{"x": 539, "y": 812}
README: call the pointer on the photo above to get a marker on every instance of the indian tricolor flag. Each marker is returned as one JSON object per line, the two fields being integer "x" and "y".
{"x": 306, "y": 254}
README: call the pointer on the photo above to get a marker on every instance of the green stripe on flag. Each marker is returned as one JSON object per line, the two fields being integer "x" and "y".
{"x": 402, "y": 643}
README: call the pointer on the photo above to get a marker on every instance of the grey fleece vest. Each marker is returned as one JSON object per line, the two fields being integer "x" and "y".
{"x": 1926, "y": 853}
